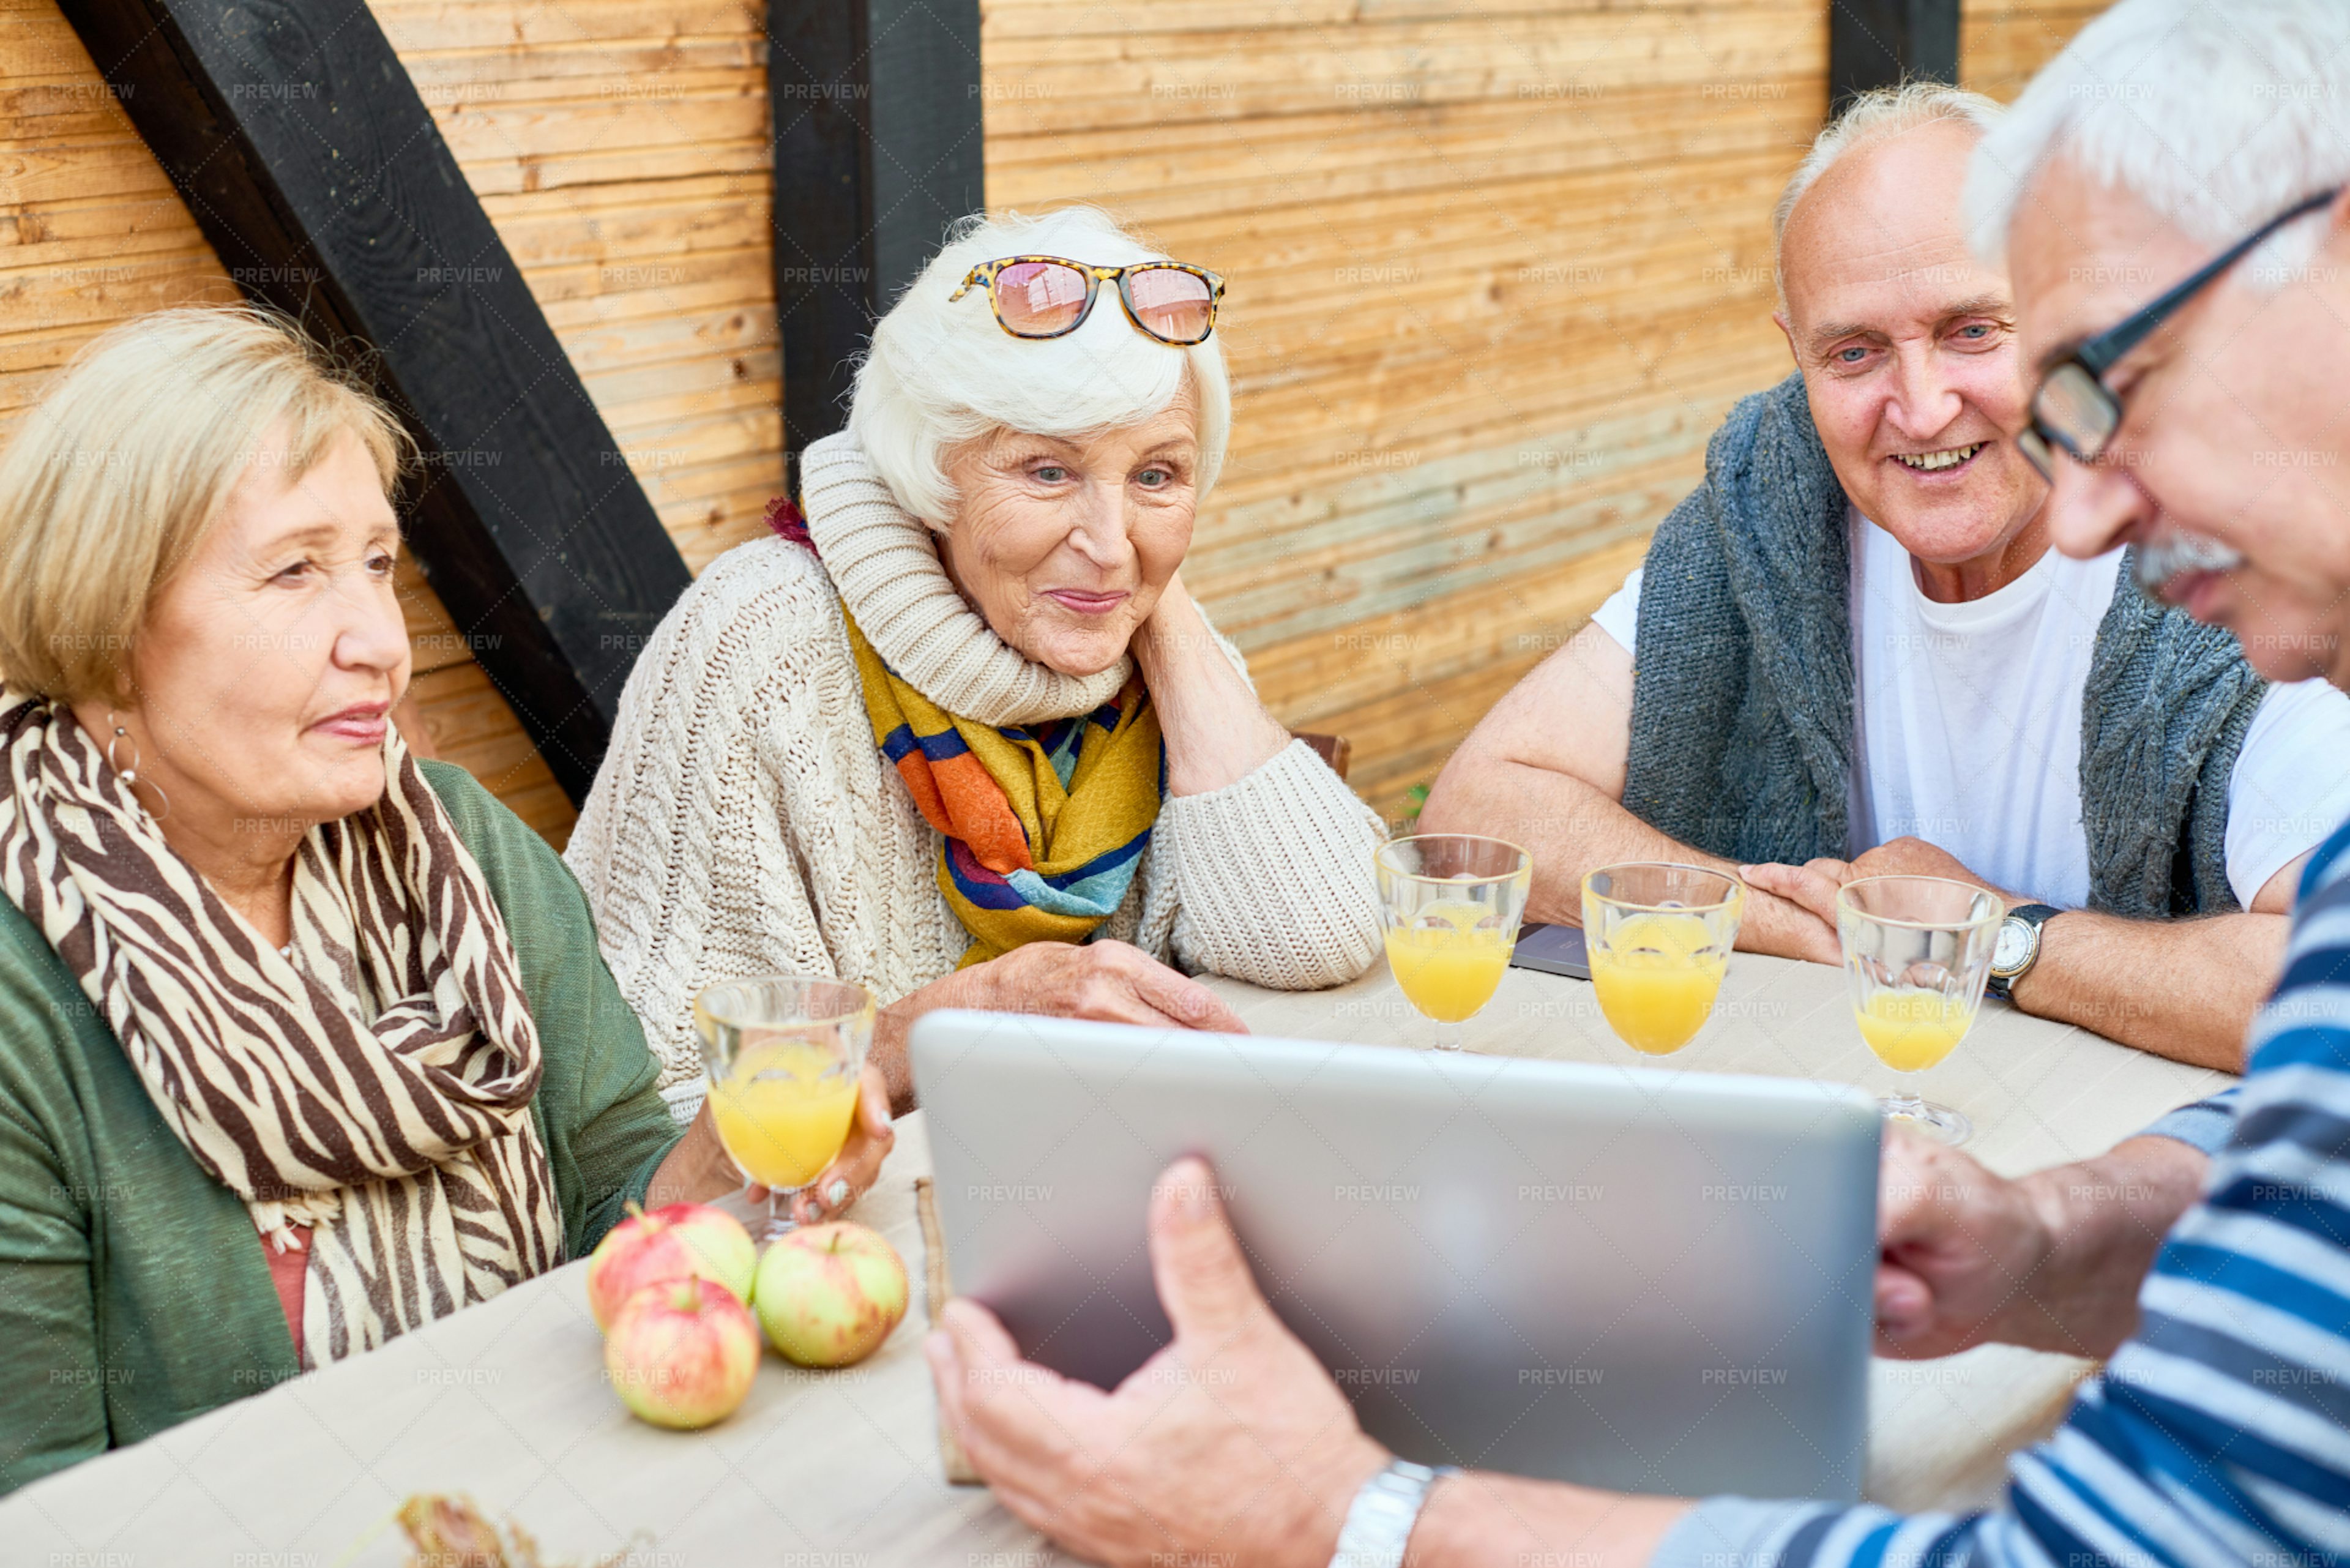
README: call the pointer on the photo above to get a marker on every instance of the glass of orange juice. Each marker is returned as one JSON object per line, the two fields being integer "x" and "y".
{"x": 784, "y": 1052}
{"x": 1658, "y": 936}
{"x": 1452, "y": 903}
{"x": 1917, "y": 952}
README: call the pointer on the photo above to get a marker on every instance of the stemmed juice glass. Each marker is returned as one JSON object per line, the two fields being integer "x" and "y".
{"x": 1452, "y": 903}
{"x": 785, "y": 1053}
{"x": 1917, "y": 952}
{"x": 1658, "y": 936}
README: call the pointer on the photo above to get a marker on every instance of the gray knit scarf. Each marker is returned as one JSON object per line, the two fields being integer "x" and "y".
{"x": 1742, "y": 686}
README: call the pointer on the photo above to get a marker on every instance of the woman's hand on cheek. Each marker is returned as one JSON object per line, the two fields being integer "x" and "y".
{"x": 858, "y": 1166}
{"x": 1216, "y": 731}
{"x": 1169, "y": 635}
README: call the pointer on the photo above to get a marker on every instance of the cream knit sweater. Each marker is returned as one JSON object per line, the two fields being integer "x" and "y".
{"x": 744, "y": 822}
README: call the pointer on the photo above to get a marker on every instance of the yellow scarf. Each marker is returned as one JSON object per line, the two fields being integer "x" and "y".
{"x": 1044, "y": 824}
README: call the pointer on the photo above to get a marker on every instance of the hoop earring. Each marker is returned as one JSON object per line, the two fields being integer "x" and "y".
{"x": 129, "y": 775}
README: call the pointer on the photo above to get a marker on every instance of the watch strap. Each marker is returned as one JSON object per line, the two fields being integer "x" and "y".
{"x": 1379, "y": 1521}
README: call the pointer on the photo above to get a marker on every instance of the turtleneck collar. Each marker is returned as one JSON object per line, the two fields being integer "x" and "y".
{"x": 887, "y": 568}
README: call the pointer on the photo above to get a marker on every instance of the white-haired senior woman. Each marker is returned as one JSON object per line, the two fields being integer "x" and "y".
{"x": 965, "y": 738}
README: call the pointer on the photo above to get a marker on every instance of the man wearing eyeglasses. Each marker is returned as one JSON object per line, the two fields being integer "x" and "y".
{"x": 1853, "y": 651}
{"x": 2204, "y": 419}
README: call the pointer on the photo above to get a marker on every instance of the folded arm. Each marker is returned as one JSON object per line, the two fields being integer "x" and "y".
{"x": 2117, "y": 977}
{"x": 2121, "y": 978}
{"x": 1545, "y": 769}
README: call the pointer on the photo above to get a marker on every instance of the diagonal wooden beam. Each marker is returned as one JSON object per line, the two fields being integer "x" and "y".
{"x": 878, "y": 147}
{"x": 1879, "y": 43}
{"x": 306, "y": 157}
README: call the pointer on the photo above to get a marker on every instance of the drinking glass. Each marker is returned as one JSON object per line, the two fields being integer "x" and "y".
{"x": 785, "y": 1053}
{"x": 1917, "y": 951}
{"x": 1452, "y": 903}
{"x": 1658, "y": 936}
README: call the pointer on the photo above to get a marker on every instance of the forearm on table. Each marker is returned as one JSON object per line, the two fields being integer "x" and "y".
{"x": 1271, "y": 878}
{"x": 2183, "y": 989}
{"x": 2104, "y": 1218}
{"x": 1481, "y": 1518}
{"x": 1571, "y": 827}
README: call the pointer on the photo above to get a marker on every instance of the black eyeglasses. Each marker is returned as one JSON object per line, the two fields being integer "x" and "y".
{"x": 2074, "y": 408}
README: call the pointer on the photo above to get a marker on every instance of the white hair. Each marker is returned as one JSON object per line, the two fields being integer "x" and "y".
{"x": 2217, "y": 117}
{"x": 940, "y": 374}
{"x": 1875, "y": 115}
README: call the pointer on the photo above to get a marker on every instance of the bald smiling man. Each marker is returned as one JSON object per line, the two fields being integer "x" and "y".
{"x": 1853, "y": 651}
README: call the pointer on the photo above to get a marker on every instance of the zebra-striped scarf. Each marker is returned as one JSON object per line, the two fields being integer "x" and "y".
{"x": 375, "y": 1085}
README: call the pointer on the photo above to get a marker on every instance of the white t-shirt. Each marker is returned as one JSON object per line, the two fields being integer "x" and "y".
{"x": 1970, "y": 726}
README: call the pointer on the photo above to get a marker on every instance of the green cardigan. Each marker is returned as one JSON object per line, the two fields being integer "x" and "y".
{"x": 133, "y": 1289}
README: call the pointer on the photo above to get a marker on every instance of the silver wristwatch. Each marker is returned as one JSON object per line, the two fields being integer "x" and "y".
{"x": 1380, "y": 1521}
{"x": 2017, "y": 948}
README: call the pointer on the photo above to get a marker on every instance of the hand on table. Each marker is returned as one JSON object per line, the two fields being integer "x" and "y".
{"x": 1231, "y": 1445}
{"x": 1813, "y": 885}
{"x": 1782, "y": 927}
{"x": 1109, "y": 981}
{"x": 1114, "y": 982}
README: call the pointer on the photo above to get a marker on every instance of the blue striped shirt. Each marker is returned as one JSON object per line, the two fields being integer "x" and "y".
{"x": 2218, "y": 1435}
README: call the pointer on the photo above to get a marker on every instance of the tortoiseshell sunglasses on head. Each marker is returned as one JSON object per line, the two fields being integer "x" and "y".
{"x": 1050, "y": 296}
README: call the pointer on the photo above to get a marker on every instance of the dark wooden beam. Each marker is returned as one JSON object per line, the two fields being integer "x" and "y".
{"x": 311, "y": 164}
{"x": 878, "y": 149}
{"x": 1878, "y": 43}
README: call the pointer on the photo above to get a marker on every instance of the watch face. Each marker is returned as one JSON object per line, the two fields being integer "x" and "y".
{"x": 2014, "y": 945}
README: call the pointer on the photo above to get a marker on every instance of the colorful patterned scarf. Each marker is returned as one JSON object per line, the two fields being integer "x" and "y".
{"x": 374, "y": 1084}
{"x": 1043, "y": 824}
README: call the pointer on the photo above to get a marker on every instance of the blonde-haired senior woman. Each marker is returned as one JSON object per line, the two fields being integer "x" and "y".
{"x": 965, "y": 738}
{"x": 303, "y": 1044}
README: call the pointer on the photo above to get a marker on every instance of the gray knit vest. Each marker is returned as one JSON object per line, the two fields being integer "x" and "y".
{"x": 1742, "y": 686}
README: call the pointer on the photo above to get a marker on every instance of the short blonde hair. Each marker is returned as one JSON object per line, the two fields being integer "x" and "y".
{"x": 1875, "y": 115}
{"x": 112, "y": 482}
{"x": 942, "y": 373}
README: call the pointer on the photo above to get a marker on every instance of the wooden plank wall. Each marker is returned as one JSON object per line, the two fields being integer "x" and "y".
{"x": 620, "y": 149}
{"x": 92, "y": 235}
{"x": 2002, "y": 42}
{"x": 620, "y": 146}
{"x": 91, "y": 231}
{"x": 1498, "y": 268}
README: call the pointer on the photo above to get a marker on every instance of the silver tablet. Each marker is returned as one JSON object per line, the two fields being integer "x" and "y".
{"x": 1629, "y": 1277}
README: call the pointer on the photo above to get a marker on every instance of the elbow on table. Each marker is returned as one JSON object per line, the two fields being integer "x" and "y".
{"x": 1300, "y": 944}
{"x": 1450, "y": 803}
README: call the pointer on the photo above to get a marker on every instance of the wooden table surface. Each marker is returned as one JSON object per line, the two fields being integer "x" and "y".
{"x": 507, "y": 1401}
